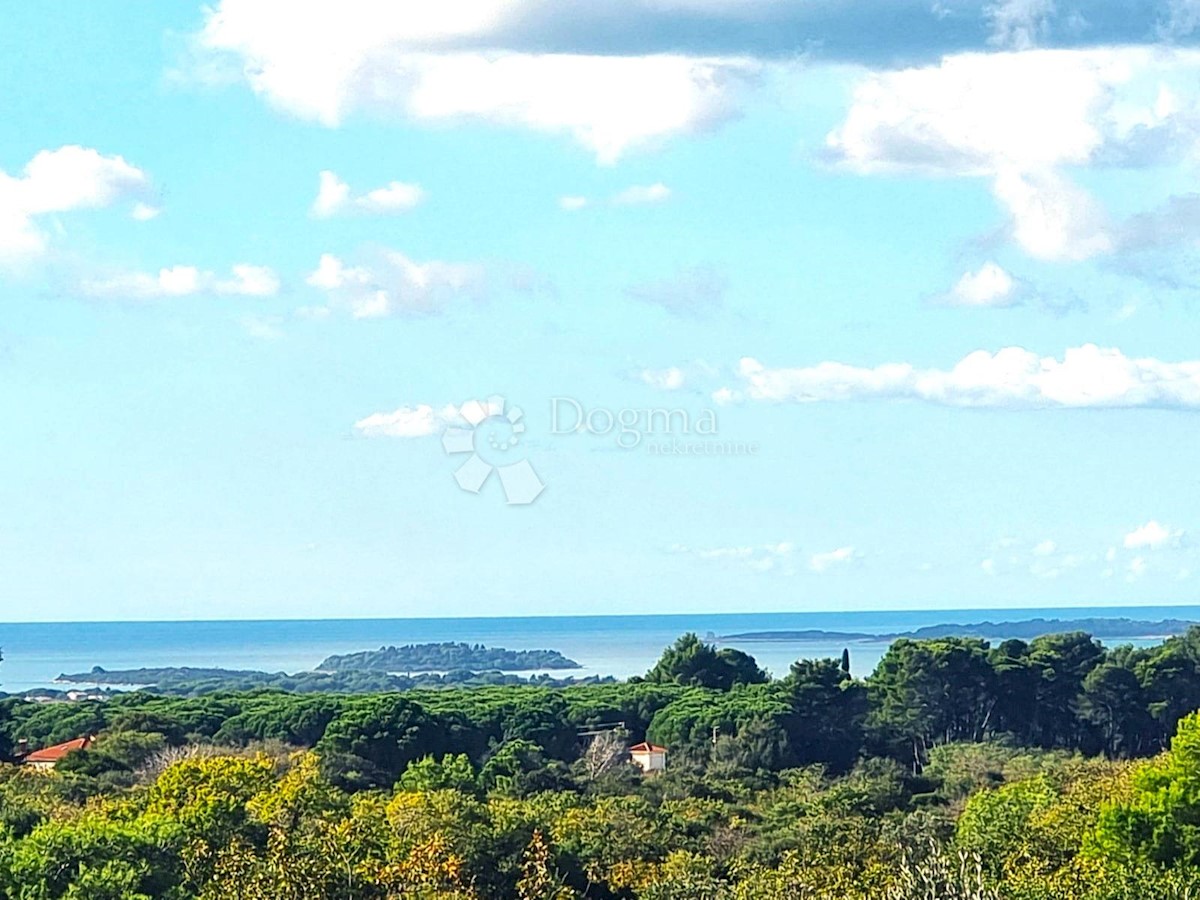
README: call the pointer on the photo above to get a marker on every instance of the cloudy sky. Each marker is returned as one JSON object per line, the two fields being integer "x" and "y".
{"x": 795, "y": 305}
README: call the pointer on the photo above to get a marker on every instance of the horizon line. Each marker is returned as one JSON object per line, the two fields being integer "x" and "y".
{"x": 640, "y": 615}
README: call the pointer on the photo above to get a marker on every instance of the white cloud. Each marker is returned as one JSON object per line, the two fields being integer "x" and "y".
{"x": 671, "y": 379}
{"x": 978, "y": 114}
{"x": 989, "y": 286}
{"x": 394, "y": 284}
{"x": 176, "y": 281}
{"x": 1018, "y": 24}
{"x": 334, "y": 198}
{"x": 183, "y": 281}
{"x": 1087, "y": 376}
{"x": 331, "y": 273}
{"x": 144, "y": 212}
{"x": 1052, "y": 218}
{"x": 776, "y": 557}
{"x": 634, "y": 195}
{"x": 59, "y": 181}
{"x": 333, "y": 195}
{"x": 407, "y": 421}
{"x": 1021, "y": 119}
{"x": 841, "y": 557}
{"x": 250, "y": 281}
{"x": 640, "y": 194}
{"x": 1045, "y": 559}
{"x": 1152, "y": 536}
{"x": 366, "y": 57}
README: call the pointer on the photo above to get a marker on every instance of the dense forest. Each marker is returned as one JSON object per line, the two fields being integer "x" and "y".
{"x": 1048, "y": 770}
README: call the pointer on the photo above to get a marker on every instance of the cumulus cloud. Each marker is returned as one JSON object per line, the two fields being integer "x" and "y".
{"x": 60, "y": 181}
{"x": 1021, "y": 120}
{"x": 640, "y": 194}
{"x": 1044, "y": 559}
{"x": 1013, "y": 378}
{"x": 144, "y": 212}
{"x": 834, "y": 559}
{"x": 445, "y": 66}
{"x": 614, "y": 76}
{"x": 183, "y": 281}
{"x": 1053, "y": 218}
{"x": 990, "y": 285}
{"x": 845, "y": 30}
{"x": 249, "y": 281}
{"x": 670, "y": 379}
{"x": 976, "y": 114}
{"x": 756, "y": 557}
{"x": 334, "y": 198}
{"x": 634, "y": 195}
{"x": 407, "y": 421}
{"x": 1151, "y": 549}
{"x": 1152, "y": 536}
{"x": 393, "y": 283}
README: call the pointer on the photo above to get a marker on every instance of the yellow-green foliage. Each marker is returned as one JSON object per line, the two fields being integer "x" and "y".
{"x": 264, "y": 828}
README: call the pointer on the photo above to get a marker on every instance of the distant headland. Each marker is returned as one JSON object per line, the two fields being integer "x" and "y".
{"x": 1102, "y": 628}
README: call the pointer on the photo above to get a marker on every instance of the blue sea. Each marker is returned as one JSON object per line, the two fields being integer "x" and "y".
{"x": 35, "y": 654}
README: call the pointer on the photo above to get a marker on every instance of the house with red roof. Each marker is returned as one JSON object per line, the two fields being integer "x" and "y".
{"x": 48, "y": 757}
{"x": 650, "y": 758}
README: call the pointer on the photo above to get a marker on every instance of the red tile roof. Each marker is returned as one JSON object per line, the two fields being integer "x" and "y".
{"x": 644, "y": 747}
{"x": 58, "y": 751}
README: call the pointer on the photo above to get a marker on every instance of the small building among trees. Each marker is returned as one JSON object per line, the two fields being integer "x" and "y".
{"x": 650, "y": 758}
{"x": 49, "y": 757}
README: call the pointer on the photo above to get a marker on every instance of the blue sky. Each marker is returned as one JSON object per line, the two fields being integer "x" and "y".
{"x": 926, "y": 271}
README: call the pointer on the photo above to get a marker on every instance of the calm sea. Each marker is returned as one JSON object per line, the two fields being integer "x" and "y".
{"x": 34, "y": 654}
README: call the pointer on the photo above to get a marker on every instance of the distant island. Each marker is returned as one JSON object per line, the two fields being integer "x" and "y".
{"x": 446, "y": 657}
{"x": 186, "y": 681}
{"x": 1023, "y": 629}
{"x": 405, "y": 668}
